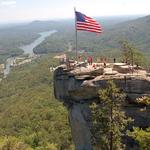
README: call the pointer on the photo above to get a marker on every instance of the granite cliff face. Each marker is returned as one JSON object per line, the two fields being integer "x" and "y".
{"x": 78, "y": 87}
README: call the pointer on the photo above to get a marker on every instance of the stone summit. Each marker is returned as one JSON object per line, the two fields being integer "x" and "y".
{"x": 77, "y": 87}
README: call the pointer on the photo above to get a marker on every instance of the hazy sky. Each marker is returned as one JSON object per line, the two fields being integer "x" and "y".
{"x": 22, "y": 10}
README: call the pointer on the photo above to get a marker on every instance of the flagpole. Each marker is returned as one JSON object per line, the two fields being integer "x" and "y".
{"x": 76, "y": 42}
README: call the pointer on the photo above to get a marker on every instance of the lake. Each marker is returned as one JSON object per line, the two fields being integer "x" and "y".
{"x": 28, "y": 49}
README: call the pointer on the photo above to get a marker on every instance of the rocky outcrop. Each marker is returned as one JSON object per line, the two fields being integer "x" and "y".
{"x": 78, "y": 88}
{"x": 80, "y": 128}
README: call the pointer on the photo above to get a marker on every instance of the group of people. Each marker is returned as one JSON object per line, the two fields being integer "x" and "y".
{"x": 89, "y": 60}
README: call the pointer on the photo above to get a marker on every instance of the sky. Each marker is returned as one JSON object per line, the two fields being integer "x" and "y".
{"x": 28, "y": 10}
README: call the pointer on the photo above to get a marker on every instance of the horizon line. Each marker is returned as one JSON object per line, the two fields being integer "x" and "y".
{"x": 19, "y": 21}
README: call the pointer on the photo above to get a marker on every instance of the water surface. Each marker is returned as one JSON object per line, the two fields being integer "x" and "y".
{"x": 28, "y": 49}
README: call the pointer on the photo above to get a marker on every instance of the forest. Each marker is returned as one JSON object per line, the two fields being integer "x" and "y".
{"x": 30, "y": 117}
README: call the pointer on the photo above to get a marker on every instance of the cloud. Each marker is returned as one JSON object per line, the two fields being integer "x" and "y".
{"x": 11, "y": 3}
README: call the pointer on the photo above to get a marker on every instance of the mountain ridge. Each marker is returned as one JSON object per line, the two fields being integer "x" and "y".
{"x": 136, "y": 31}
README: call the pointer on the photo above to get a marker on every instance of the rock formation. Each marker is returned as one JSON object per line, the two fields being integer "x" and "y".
{"x": 78, "y": 85}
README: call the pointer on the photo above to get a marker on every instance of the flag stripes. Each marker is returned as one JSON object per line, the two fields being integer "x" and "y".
{"x": 87, "y": 26}
{"x": 87, "y": 23}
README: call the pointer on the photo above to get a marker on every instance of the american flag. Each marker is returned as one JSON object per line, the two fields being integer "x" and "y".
{"x": 86, "y": 23}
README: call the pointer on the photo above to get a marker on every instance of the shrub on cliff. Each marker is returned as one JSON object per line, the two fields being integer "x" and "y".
{"x": 109, "y": 120}
{"x": 142, "y": 136}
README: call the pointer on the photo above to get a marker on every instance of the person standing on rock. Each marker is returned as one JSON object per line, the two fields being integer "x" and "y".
{"x": 114, "y": 60}
{"x": 90, "y": 60}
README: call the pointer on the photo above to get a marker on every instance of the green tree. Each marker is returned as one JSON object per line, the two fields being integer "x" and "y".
{"x": 142, "y": 136}
{"x": 131, "y": 55}
{"x": 109, "y": 120}
{"x": 144, "y": 100}
{"x": 13, "y": 143}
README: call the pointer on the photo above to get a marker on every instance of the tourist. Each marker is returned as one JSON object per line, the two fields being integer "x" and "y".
{"x": 114, "y": 60}
{"x": 91, "y": 60}
{"x": 88, "y": 60}
{"x": 104, "y": 64}
{"x": 80, "y": 57}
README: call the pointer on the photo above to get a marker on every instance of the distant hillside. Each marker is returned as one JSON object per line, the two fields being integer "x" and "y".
{"x": 113, "y": 20}
{"x": 136, "y": 31}
{"x": 11, "y": 38}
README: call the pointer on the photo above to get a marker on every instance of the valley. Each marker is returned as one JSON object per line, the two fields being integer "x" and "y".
{"x": 30, "y": 116}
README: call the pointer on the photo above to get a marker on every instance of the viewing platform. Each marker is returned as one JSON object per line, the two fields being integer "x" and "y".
{"x": 80, "y": 78}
